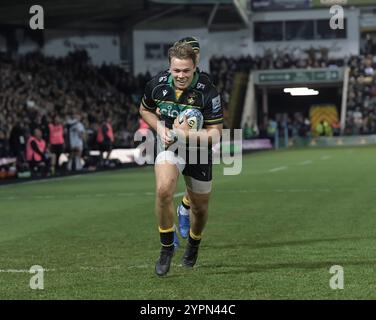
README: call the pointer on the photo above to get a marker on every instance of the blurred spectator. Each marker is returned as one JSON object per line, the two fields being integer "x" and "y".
{"x": 37, "y": 154}
{"x": 327, "y": 129}
{"x": 320, "y": 129}
{"x": 336, "y": 127}
{"x": 105, "y": 139}
{"x": 56, "y": 141}
{"x": 76, "y": 136}
{"x": 17, "y": 141}
{"x": 3, "y": 145}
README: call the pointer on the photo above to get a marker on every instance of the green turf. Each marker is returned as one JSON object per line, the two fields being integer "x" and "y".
{"x": 270, "y": 235}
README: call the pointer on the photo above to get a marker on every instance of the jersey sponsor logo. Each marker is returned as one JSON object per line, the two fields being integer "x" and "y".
{"x": 164, "y": 92}
{"x": 200, "y": 86}
{"x": 216, "y": 104}
{"x": 171, "y": 111}
{"x": 163, "y": 78}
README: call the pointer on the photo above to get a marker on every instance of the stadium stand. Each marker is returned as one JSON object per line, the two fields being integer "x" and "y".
{"x": 361, "y": 114}
{"x": 34, "y": 88}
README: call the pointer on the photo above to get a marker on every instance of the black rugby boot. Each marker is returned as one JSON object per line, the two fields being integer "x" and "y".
{"x": 163, "y": 264}
{"x": 190, "y": 255}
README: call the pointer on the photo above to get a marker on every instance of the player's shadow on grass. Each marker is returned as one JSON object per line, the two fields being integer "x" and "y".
{"x": 261, "y": 245}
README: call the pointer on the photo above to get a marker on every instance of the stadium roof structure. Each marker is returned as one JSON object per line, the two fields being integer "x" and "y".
{"x": 63, "y": 13}
{"x": 111, "y": 14}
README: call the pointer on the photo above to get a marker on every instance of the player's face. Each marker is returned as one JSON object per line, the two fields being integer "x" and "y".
{"x": 182, "y": 71}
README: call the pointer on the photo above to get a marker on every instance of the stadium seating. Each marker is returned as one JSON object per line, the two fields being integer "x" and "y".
{"x": 34, "y": 87}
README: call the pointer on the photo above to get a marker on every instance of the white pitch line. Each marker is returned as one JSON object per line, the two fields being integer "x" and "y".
{"x": 325, "y": 157}
{"x": 304, "y": 163}
{"x": 83, "y": 196}
{"x": 21, "y": 270}
{"x": 44, "y": 180}
{"x": 277, "y": 169}
{"x": 177, "y": 195}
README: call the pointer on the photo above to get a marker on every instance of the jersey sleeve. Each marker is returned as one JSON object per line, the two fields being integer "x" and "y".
{"x": 147, "y": 100}
{"x": 212, "y": 112}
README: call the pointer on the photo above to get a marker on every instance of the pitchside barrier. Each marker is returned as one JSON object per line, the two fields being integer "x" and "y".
{"x": 127, "y": 157}
{"x": 333, "y": 141}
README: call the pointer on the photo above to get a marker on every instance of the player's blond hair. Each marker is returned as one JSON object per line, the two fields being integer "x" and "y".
{"x": 182, "y": 51}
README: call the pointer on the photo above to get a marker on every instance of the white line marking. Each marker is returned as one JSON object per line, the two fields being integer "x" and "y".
{"x": 278, "y": 169}
{"x": 47, "y": 180}
{"x": 177, "y": 195}
{"x": 98, "y": 268}
{"x": 84, "y": 196}
{"x": 305, "y": 162}
{"x": 21, "y": 270}
{"x": 325, "y": 157}
{"x": 141, "y": 266}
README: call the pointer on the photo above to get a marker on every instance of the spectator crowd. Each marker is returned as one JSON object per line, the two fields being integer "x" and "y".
{"x": 100, "y": 104}
{"x": 361, "y": 104}
{"x": 36, "y": 90}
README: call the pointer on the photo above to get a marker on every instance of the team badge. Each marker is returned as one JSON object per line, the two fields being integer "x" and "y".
{"x": 191, "y": 99}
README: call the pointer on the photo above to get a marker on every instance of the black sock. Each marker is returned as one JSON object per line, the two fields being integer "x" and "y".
{"x": 185, "y": 203}
{"x": 185, "y": 206}
{"x": 167, "y": 240}
{"x": 193, "y": 242}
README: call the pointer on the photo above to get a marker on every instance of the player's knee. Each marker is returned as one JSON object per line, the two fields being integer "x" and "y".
{"x": 165, "y": 193}
{"x": 199, "y": 210}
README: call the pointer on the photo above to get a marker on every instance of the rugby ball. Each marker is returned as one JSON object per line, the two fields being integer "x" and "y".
{"x": 195, "y": 118}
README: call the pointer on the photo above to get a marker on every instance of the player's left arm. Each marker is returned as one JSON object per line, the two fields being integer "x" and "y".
{"x": 212, "y": 133}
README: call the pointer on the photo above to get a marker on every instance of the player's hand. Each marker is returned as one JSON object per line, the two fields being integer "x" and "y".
{"x": 158, "y": 112}
{"x": 165, "y": 134}
{"x": 184, "y": 127}
{"x": 181, "y": 130}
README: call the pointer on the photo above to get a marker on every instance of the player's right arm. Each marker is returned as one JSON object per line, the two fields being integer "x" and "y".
{"x": 148, "y": 112}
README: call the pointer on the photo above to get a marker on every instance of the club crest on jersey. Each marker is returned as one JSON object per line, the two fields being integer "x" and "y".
{"x": 191, "y": 99}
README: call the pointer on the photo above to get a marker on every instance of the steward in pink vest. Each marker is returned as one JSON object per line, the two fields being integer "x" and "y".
{"x": 105, "y": 138}
{"x": 56, "y": 134}
{"x": 36, "y": 153}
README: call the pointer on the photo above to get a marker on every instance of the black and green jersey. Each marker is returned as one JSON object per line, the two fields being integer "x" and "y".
{"x": 160, "y": 93}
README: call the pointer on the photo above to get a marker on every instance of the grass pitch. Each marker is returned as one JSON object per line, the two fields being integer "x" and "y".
{"x": 273, "y": 232}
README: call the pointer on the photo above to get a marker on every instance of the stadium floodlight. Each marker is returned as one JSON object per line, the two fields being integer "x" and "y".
{"x": 302, "y": 91}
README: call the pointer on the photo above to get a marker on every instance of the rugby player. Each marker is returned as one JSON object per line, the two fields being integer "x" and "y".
{"x": 183, "y": 210}
{"x": 172, "y": 92}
